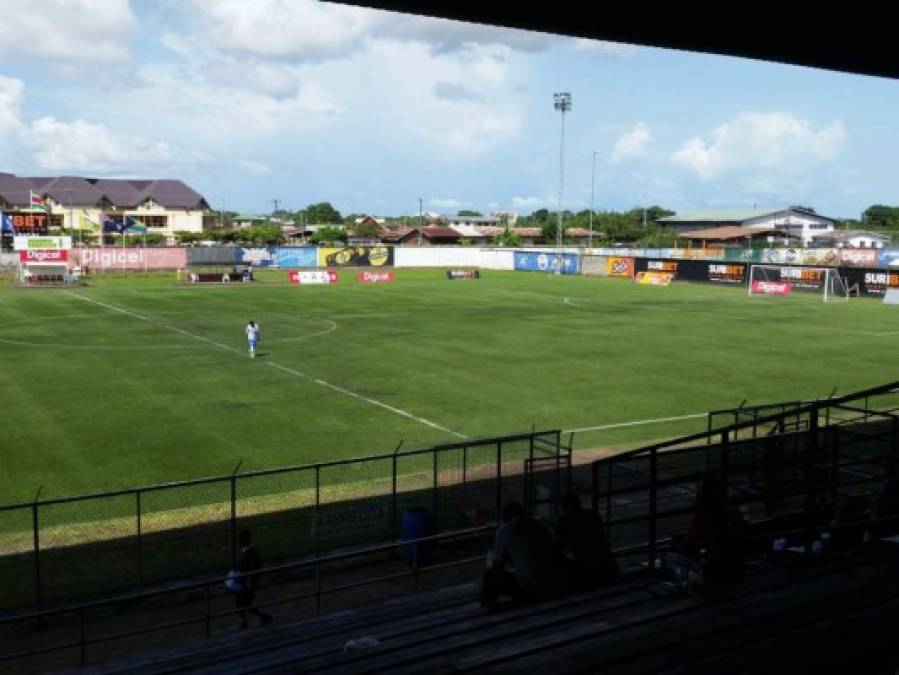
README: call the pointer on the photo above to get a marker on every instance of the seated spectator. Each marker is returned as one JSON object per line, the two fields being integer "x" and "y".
{"x": 849, "y": 524}
{"x": 885, "y": 511}
{"x": 585, "y": 556}
{"x": 522, "y": 563}
{"x": 714, "y": 539}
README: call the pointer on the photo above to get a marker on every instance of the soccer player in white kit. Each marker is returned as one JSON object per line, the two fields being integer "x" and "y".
{"x": 252, "y": 331}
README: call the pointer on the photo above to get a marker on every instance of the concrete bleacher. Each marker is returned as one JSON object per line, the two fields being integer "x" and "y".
{"x": 791, "y": 614}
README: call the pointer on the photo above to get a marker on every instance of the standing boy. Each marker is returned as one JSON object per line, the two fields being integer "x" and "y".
{"x": 252, "y": 331}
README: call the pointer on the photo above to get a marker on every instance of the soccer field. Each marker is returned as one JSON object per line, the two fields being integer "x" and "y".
{"x": 138, "y": 380}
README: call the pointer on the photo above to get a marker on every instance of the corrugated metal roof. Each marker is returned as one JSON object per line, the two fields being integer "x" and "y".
{"x": 737, "y": 215}
{"x": 719, "y": 215}
{"x": 77, "y": 190}
{"x": 469, "y": 231}
{"x": 731, "y": 232}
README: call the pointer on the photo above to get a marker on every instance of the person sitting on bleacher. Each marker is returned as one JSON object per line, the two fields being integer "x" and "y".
{"x": 585, "y": 556}
{"x": 884, "y": 511}
{"x": 713, "y": 545}
{"x": 522, "y": 563}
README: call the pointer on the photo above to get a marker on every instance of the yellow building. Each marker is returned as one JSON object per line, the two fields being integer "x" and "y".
{"x": 162, "y": 206}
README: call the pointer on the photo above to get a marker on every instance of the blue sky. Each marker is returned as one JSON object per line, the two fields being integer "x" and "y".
{"x": 304, "y": 101}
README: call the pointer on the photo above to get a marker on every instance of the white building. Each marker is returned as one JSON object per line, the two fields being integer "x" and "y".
{"x": 851, "y": 239}
{"x": 163, "y": 206}
{"x": 801, "y": 223}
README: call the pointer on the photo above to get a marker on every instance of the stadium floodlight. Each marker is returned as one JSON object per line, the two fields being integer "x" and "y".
{"x": 562, "y": 103}
{"x": 592, "y": 198}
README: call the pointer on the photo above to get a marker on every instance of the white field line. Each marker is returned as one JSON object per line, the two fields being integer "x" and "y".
{"x": 278, "y": 366}
{"x": 372, "y": 401}
{"x": 636, "y": 423}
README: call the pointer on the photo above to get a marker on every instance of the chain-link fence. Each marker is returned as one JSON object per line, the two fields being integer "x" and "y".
{"x": 56, "y": 551}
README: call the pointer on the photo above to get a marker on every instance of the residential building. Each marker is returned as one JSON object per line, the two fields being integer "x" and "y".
{"x": 163, "y": 206}
{"x": 799, "y": 222}
{"x": 851, "y": 239}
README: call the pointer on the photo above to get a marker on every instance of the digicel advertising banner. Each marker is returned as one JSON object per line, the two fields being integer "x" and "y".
{"x": 381, "y": 277}
{"x": 298, "y": 277}
{"x": 772, "y": 287}
{"x": 43, "y": 255}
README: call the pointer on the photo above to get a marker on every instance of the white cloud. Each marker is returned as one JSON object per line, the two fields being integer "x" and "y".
{"x": 78, "y": 30}
{"x": 86, "y": 146}
{"x": 11, "y": 97}
{"x": 533, "y": 202}
{"x": 633, "y": 144}
{"x": 762, "y": 146}
{"x": 456, "y": 91}
{"x": 449, "y": 204}
{"x": 255, "y": 168}
{"x": 614, "y": 49}
{"x": 306, "y": 30}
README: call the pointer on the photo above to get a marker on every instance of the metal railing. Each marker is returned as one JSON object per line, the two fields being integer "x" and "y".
{"x": 61, "y": 550}
{"x": 210, "y": 592}
{"x": 807, "y": 458}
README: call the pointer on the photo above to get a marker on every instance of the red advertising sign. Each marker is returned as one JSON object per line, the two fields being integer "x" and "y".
{"x": 312, "y": 277}
{"x": 378, "y": 277}
{"x": 772, "y": 287}
{"x": 44, "y": 255}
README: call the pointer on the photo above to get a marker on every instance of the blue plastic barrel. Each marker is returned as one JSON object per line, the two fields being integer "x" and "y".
{"x": 417, "y": 523}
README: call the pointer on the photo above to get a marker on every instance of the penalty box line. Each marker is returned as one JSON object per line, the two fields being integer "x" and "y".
{"x": 278, "y": 366}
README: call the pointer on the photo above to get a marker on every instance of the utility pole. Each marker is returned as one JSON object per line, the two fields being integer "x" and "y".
{"x": 420, "y": 220}
{"x": 562, "y": 103}
{"x": 592, "y": 196}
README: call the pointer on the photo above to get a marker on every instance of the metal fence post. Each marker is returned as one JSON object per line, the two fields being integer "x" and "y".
{"x": 811, "y": 469}
{"x": 725, "y": 460}
{"x": 35, "y": 526}
{"x": 434, "y": 501}
{"x": 653, "y": 507}
{"x": 894, "y": 447}
{"x": 393, "y": 502}
{"x": 316, "y": 517}
{"x": 140, "y": 550}
{"x": 499, "y": 481}
{"x": 233, "y": 520}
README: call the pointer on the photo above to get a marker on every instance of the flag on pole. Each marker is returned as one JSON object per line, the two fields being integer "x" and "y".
{"x": 37, "y": 201}
{"x": 88, "y": 224}
{"x": 134, "y": 225}
{"x": 111, "y": 224}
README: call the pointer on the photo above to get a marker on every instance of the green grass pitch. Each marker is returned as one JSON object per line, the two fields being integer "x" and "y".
{"x": 136, "y": 380}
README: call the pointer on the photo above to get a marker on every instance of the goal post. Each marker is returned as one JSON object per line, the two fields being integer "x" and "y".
{"x": 784, "y": 279}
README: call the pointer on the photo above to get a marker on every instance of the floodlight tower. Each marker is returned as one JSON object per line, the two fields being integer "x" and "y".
{"x": 562, "y": 103}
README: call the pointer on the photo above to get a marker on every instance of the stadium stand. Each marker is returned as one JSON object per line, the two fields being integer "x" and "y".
{"x": 814, "y": 482}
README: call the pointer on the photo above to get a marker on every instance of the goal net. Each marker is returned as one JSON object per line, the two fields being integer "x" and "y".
{"x": 784, "y": 279}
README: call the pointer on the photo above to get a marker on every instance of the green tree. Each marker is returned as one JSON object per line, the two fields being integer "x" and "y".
{"x": 540, "y": 215}
{"x": 550, "y": 230}
{"x": 322, "y": 213}
{"x": 879, "y": 215}
{"x": 185, "y": 237}
{"x": 469, "y": 213}
{"x": 260, "y": 235}
{"x": 328, "y": 234}
{"x": 507, "y": 238}
{"x": 367, "y": 230}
